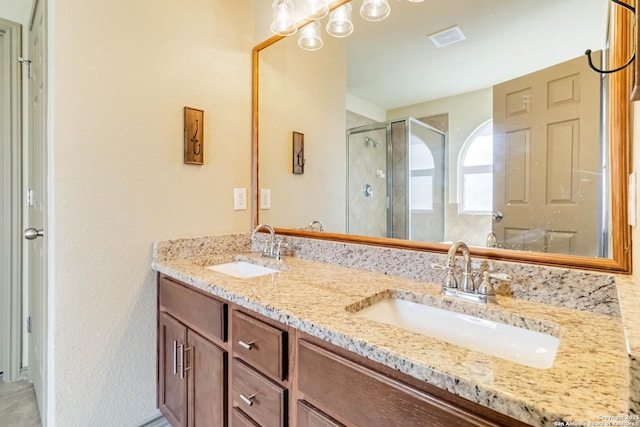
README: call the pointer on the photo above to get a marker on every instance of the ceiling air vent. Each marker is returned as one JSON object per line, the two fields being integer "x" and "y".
{"x": 446, "y": 37}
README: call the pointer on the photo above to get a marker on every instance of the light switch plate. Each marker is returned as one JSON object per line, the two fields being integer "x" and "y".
{"x": 239, "y": 199}
{"x": 265, "y": 198}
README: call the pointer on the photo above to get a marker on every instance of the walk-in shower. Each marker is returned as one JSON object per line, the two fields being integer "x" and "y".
{"x": 395, "y": 180}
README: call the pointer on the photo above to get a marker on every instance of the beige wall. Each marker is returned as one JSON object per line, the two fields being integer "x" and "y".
{"x": 309, "y": 100}
{"x": 122, "y": 71}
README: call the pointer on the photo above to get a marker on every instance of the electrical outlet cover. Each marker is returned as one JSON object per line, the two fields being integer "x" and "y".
{"x": 239, "y": 199}
{"x": 265, "y": 198}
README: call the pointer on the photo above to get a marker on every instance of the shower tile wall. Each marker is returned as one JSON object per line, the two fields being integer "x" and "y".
{"x": 367, "y": 215}
{"x": 399, "y": 161}
{"x": 355, "y": 120}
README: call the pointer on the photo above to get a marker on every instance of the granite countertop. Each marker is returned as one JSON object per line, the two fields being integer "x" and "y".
{"x": 588, "y": 382}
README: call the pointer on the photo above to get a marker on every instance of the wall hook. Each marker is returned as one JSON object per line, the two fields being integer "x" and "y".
{"x": 633, "y": 57}
{"x": 196, "y": 146}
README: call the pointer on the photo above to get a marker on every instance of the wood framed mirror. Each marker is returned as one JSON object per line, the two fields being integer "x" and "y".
{"x": 616, "y": 159}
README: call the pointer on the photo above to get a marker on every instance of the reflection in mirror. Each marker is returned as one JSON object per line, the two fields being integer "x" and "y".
{"x": 395, "y": 174}
{"x": 495, "y": 140}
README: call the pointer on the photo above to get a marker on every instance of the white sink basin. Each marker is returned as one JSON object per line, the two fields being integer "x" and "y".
{"x": 530, "y": 348}
{"x": 242, "y": 269}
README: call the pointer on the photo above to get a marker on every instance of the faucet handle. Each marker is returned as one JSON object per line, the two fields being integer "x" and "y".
{"x": 486, "y": 287}
{"x": 450, "y": 281}
{"x": 280, "y": 251}
{"x": 500, "y": 276}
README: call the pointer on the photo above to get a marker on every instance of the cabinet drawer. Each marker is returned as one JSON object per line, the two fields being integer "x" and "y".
{"x": 240, "y": 419}
{"x": 259, "y": 344}
{"x": 308, "y": 416}
{"x": 199, "y": 312}
{"x": 367, "y": 398}
{"x": 257, "y": 396}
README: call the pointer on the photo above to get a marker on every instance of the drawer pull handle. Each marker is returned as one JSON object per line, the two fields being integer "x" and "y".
{"x": 247, "y": 345}
{"x": 248, "y": 399}
{"x": 175, "y": 357}
{"x": 188, "y": 349}
{"x": 181, "y": 358}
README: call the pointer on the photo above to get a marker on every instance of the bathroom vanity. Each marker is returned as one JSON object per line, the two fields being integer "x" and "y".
{"x": 288, "y": 349}
{"x": 269, "y": 374}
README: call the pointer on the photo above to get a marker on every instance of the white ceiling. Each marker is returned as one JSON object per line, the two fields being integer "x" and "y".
{"x": 16, "y": 10}
{"x": 392, "y": 63}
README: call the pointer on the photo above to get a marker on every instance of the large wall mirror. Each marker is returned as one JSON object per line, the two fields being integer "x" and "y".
{"x": 494, "y": 131}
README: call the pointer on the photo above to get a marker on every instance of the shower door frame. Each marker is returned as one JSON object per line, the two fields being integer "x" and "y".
{"x": 389, "y": 172}
{"x": 387, "y": 126}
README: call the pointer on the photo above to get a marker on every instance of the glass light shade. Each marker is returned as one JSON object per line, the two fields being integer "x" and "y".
{"x": 310, "y": 38}
{"x": 375, "y": 10}
{"x": 283, "y": 23}
{"x": 315, "y": 9}
{"x": 415, "y": 1}
{"x": 340, "y": 24}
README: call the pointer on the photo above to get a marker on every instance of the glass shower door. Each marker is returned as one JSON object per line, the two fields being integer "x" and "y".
{"x": 426, "y": 183}
{"x": 368, "y": 188}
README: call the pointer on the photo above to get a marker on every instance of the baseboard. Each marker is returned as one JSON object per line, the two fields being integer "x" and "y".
{"x": 24, "y": 374}
{"x": 156, "y": 420}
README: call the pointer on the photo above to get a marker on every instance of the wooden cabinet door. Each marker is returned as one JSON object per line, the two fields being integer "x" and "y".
{"x": 207, "y": 379}
{"x": 172, "y": 388}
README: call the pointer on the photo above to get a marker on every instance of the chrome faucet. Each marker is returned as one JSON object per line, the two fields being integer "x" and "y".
{"x": 492, "y": 240}
{"x": 467, "y": 290}
{"x": 315, "y": 222}
{"x": 467, "y": 275}
{"x": 269, "y": 248}
{"x": 272, "y": 249}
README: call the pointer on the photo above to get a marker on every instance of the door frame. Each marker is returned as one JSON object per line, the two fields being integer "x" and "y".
{"x": 38, "y": 133}
{"x": 11, "y": 248}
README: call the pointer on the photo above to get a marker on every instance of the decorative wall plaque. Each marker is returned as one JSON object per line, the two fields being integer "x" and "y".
{"x": 193, "y": 136}
{"x": 298, "y": 153}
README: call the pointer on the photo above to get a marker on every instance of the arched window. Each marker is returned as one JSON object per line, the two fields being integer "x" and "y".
{"x": 475, "y": 172}
{"x": 422, "y": 167}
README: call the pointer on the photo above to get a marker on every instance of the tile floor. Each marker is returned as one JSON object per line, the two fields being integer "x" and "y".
{"x": 18, "y": 406}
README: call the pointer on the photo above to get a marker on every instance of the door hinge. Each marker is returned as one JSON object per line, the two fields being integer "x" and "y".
{"x": 29, "y": 324}
{"x": 29, "y": 197}
{"x": 27, "y": 63}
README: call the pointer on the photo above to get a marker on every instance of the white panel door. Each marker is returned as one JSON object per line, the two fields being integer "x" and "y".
{"x": 548, "y": 161}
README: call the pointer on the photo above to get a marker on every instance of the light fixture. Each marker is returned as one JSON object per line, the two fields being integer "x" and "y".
{"x": 340, "y": 24}
{"x": 286, "y": 21}
{"x": 315, "y": 9}
{"x": 283, "y": 23}
{"x": 310, "y": 38}
{"x": 375, "y": 10}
